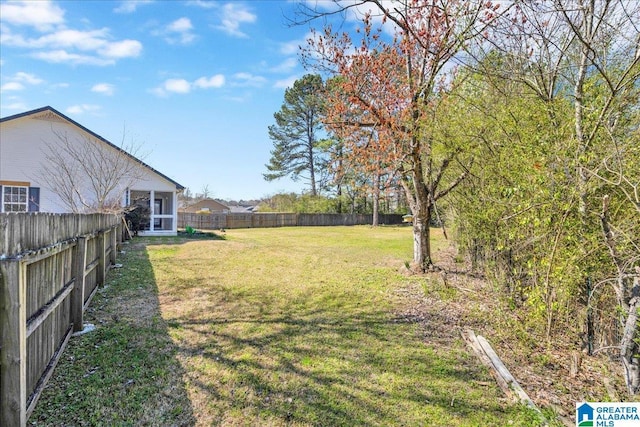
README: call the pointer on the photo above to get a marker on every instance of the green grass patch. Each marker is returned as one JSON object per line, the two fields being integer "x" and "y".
{"x": 125, "y": 372}
{"x": 298, "y": 326}
{"x": 276, "y": 327}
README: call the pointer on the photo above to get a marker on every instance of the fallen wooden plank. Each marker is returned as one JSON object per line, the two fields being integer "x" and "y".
{"x": 504, "y": 373}
{"x": 470, "y": 337}
{"x": 503, "y": 377}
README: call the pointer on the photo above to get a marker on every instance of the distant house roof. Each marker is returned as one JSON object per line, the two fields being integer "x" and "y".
{"x": 95, "y": 135}
{"x": 242, "y": 209}
{"x": 207, "y": 204}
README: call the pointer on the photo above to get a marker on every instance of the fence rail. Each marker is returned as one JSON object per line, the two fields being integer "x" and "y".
{"x": 214, "y": 221}
{"x": 50, "y": 267}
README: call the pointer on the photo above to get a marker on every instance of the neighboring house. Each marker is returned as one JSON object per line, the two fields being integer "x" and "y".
{"x": 243, "y": 209}
{"x": 206, "y": 206}
{"x": 27, "y": 141}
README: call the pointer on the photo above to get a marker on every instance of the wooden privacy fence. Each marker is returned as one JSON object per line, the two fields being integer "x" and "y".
{"x": 214, "y": 221}
{"x": 50, "y": 268}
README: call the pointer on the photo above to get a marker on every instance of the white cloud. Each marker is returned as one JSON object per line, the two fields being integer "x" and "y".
{"x": 11, "y": 86}
{"x": 130, "y": 6}
{"x": 285, "y": 66}
{"x": 183, "y": 86}
{"x": 18, "y": 81}
{"x": 7, "y": 38}
{"x": 247, "y": 79}
{"x": 121, "y": 49}
{"x": 233, "y": 15}
{"x": 83, "y": 108}
{"x": 81, "y": 40}
{"x": 58, "y": 47}
{"x": 213, "y": 81}
{"x": 41, "y": 15}
{"x": 182, "y": 29}
{"x": 203, "y": 4}
{"x": 60, "y": 44}
{"x": 103, "y": 88}
{"x": 180, "y": 25}
{"x": 62, "y": 56}
{"x": 177, "y": 86}
{"x": 286, "y": 83}
{"x": 31, "y": 79}
{"x": 355, "y": 14}
{"x": 293, "y": 47}
{"x": 159, "y": 92}
{"x": 18, "y": 105}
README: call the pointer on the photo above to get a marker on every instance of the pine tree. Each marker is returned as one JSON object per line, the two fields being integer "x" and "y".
{"x": 296, "y": 145}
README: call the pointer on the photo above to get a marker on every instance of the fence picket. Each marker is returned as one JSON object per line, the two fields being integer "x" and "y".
{"x": 13, "y": 370}
{"x": 43, "y": 274}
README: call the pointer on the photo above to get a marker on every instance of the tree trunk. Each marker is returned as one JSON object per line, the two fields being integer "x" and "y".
{"x": 422, "y": 239}
{"x": 629, "y": 349}
{"x": 312, "y": 170}
{"x": 376, "y": 199}
{"x": 420, "y": 202}
{"x": 311, "y": 140}
{"x": 628, "y": 346}
{"x": 578, "y": 93}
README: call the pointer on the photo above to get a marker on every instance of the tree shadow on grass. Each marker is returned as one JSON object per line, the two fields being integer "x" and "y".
{"x": 126, "y": 371}
{"x": 343, "y": 365}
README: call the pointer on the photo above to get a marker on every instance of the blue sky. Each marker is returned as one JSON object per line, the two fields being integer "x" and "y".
{"x": 194, "y": 83}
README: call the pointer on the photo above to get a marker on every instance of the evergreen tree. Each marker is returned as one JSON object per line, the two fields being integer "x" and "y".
{"x": 295, "y": 135}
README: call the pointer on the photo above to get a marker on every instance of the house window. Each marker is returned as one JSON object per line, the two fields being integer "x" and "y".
{"x": 15, "y": 199}
{"x": 19, "y": 198}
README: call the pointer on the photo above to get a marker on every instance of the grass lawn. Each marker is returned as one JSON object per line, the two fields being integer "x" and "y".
{"x": 270, "y": 327}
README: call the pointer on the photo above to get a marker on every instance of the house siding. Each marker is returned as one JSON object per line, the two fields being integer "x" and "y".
{"x": 21, "y": 155}
{"x": 24, "y": 143}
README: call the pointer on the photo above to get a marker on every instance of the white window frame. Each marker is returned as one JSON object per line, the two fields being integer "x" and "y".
{"x": 7, "y": 190}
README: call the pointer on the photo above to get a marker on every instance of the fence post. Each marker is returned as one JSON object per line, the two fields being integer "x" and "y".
{"x": 102, "y": 259}
{"x": 77, "y": 295}
{"x": 113, "y": 234}
{"x": 13, "y": 332}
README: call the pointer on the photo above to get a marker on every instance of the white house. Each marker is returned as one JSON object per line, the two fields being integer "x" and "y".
{"x": 43, "y": 151}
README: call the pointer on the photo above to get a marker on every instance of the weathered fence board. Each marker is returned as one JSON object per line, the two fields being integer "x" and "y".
{"x": 13, "y": 322}
{"x": 215, "y": 221}
{"x": 50, "y": 267}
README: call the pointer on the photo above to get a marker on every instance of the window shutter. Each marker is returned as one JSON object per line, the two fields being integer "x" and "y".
{"x": 1, "y": 200}
{"x": 34, "y": 199}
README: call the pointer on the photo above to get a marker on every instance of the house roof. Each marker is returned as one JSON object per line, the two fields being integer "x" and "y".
{"x": 242, "y": 209}
{"x": 206, "y": 203}
{"x": 179, "y": 187}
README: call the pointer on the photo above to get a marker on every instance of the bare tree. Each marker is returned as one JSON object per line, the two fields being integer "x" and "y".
{"x": 205, "y": 193}
{"x": 89, "y": 175}
{"x": 185, "y": 198}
